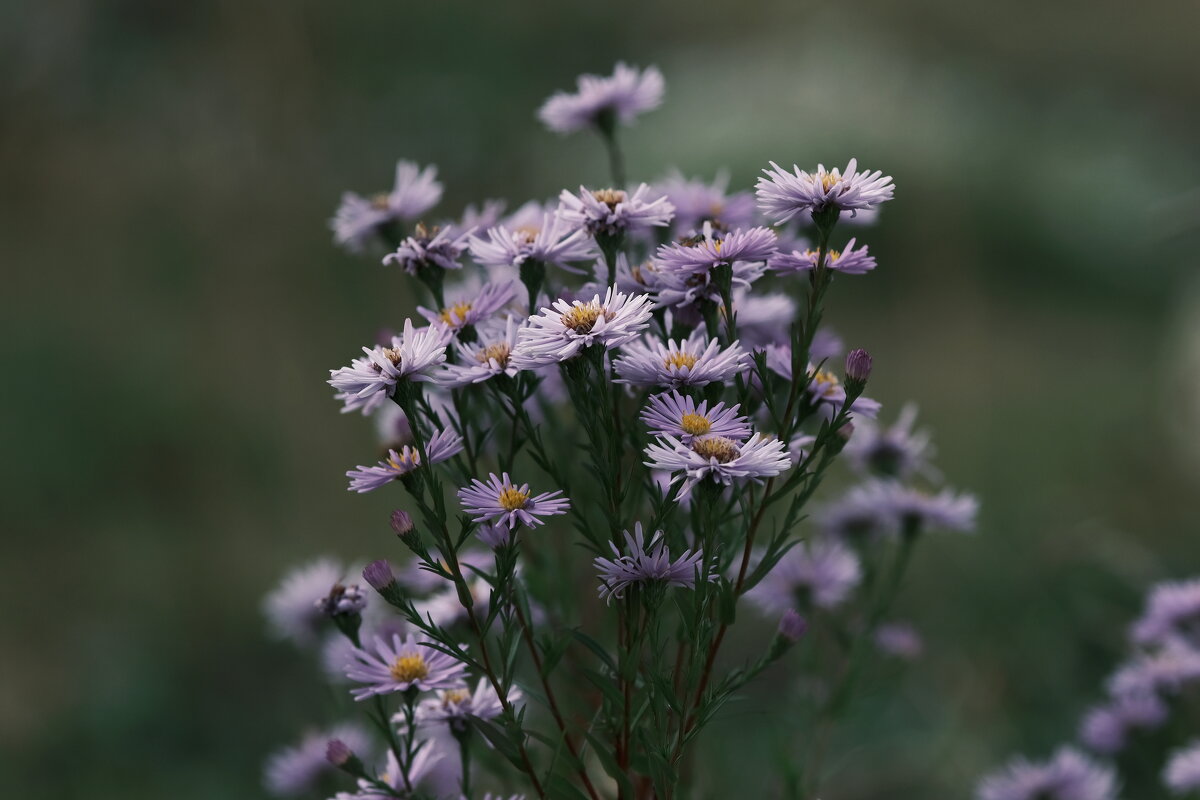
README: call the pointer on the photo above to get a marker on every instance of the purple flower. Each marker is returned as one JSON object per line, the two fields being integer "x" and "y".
{"x": 848, "y": 261}
{"x": 494, "y": 536}
{"x": 1069, "y": 775}
{"x": 1172, "y": 610}
{"x": 560, "y": 332}
{"x": 454, "y": 707}
{"x": 782, "y": 194}
{"x": 763, "y": 319}
{"x": 1104, "y": 728}
{"x": 824, "y": 389}
{"x": 644, "y": 563}
{"x": 472, "y": 308}
{"x": 551, "y": 241}
{"x": 413, "y": 356}
{"x": 673, "y": 414}
{"x": 442, "y": 445}
{"x": 717, "y": 457}
{"x": 599, "y": 101}
{"x": 295, "y": 770}
{"x": 695, "y": 361}
{"x": 697, "y": 202}
{"x": 692, "y": 257}
{"x": 358, "y": 218}
{"x": 792, "y": 626}
{"x": 400, "y": 665}
{"x": 426, "y": 758}
{"x": 1182, "y": 773}
{"x": 291, "y": 609}
{"x": 438, "y": 247}
{"x": 912, "y": 507}
{"x": 858, "y": 365}
{"x": 500, "y": 501}
{"x": 820, "y": 572}
{"x": 895, "y": 451}
{"x": 1166, "y": 669}
{"x": 610, "y": 212}
{"x": 485, "y": 359}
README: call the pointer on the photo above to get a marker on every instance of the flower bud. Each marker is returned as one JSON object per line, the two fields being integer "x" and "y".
{"x": 379, "y": 574}
{"x": 402, "y": 523}
{"x": 339, "y": 754}
{"x": 858, "y": 366}
{"x": 792, "y": 626}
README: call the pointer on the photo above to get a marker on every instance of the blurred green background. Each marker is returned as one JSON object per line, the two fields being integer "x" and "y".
{"x": 172, "y": 301}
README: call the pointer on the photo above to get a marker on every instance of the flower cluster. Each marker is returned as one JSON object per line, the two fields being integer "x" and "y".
{"x": 647, "y": 355}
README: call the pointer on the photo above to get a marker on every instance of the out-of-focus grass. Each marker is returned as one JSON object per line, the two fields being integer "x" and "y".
{"x": 173, "y": 302}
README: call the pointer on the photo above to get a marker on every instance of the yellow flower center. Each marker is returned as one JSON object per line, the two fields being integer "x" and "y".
{"x": 393, "y": 355}
{"x": 826, "y": 379}
{"x": 455, "y": 314}
{"x": 718, "y": 447}
{"x": 582, "y": 317}
{"x": 499, "y": 352}
{"x": 423, "y": 232}
{"x": 695, "y": 424}
{"x": 511, "y": 499}
{"x": 610, "y": 197}
{"x": 455, "y": 697}
{"x": 407, "y": 669}
{"x": 828, "y": 180}
{"x": 526, "y": 233}
{"x": 380, "y": 201}
{"x": 408, "y": 460}
{"x": 680, "y": 360}
{"x": 830, "y": 255}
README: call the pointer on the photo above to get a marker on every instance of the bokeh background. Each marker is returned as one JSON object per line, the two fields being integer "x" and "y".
{"x": 172, "y": 301}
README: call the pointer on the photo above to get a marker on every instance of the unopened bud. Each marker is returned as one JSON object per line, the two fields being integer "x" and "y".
{"x": 402, "y": 523}
{"x": 339, "y": 754}
{"x": 858, "y": 367}
{"x": 792, "y": 626}
{"x": 379, "y": 575}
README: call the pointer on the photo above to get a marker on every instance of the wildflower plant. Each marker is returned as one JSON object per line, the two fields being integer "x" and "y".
{"x": 606, "y": 450}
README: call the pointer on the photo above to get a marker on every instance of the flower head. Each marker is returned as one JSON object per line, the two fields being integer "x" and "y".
{"x": 1172, "y": 611}
{"x": 295, "y": 770}
{"x": 601, "y": 101}
{"x": 552, "y": 240}
{"x": 673, "y": 414}
{"x": 454, "y": 707}
{"x": 401, "y": 664}
{"x": 702, "y": 254}
{"x": 1105, "y": 728}
{"x": 501, "y": 501}
{"x": 473, "y": 308}
{"x": 819, "y": 572}
{"x": 848, "y": 260}
{"x": 720, "y": 458}
{"x": 896, "y": 450}
{"x": 1182, "y": 773}
{"x": 413, "y": 356}
{"x": 291, "y": 609}
{"x": 436, "y": 247}
{"x": 442, "y": 445}
{"x": 1069, "y": 775}
{"x": 485, "y": 359}
{"x": 1165, "y": 669}
{"x": 697, "y": 202}
{"x": 359, "y": 218}
{"x": 695, "y": 361}
{"x": 419, "y": 769}
{"x": 782, "y": 194}
{"x": 611, "y": 212}
{"x": 646, "y": 563}
{"x": 561, "y": 331}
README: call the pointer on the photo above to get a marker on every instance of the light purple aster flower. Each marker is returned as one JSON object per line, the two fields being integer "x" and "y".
{"x": 473, "y": 307}
{"x": 702, "y": 254}
{"x": 454, "y": 707}
{"x": 695, "y": 361}
{"x": 646, "y": 562}
{"x": 858, "y": 514}
{"x": 442, "y": 445}
{"x": 673, "y": 414}
{"x": 423, "y": 764}
{"x": 782, "y": 194}
{"x": 763, "y": 319}
{"x": 697, "y": 202}
{"x": 821, "y": 572}
{"x": 1166, "y": 669}
{"x": 494, "y": 536}
{"x": 1104, "y": 729}
{"x": 601, "y": 101}
{"x": 1172, "y": 610}
{"x": 1069, "y": 775}
{"x": 413, "y": 356}
{"x": 848, "y": 260}
{"x": 1182, "y": 773}
{"x": 438, "y": 247}
{"x": 501, "y": 501}
{"x": 560, "y": 332}
{"x": 402, "y": 664}
{"x": 291, "y": 608}
{"x": 610, "y": 212}
{"x": 825, "y": 390}
{"x": 483, "y": 217}
{"x": 896, "y": 450}
{"x": 295, "y": 770}
{"x": 719, "y": 458}
{"x": 359, "y": 218}
{"x": 486, "y": 358}
{"x": 552, "y": 240}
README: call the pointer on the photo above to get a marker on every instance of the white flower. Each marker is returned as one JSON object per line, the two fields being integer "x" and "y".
{"x": 563, "y": 330}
